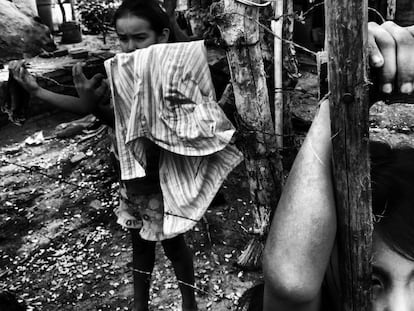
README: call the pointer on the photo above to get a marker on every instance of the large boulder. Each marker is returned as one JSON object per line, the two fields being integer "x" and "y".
{"x": 27, "y": 7}
{"x": 20, "y": 34}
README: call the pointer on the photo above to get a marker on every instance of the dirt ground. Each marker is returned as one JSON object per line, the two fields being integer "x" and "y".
{"x": 60, "y": 246}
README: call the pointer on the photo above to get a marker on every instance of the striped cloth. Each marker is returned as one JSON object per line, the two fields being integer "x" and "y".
{"x": 165, "y": 93}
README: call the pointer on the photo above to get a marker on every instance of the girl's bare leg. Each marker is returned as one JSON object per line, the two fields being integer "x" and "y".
{"x": 143, "y": 258}
{"x": 182, "y": 260}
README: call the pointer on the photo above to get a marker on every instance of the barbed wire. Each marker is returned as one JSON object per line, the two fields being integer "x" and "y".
{"x": 245, "y": 128}
{"x": 38, "y": 170}
{"x": 378, "y": 14}
{"x": 251, "y": 3}
{"x": 292, "y": 90}
{"x": 289, "y": 90}
{"x": 312, "y": 8}
{"x": 54, "y": 81}
{"x": 302, "y": 14}
{"x": 193, "y": 286}
{"x": 299, "y": 16}
{"x": 209, "y": 293}
{"x": 294, "y": 15}
{"x": 267, "y": 29}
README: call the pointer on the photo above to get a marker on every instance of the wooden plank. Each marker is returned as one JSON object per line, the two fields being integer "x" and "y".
{"x": 346, "y": 32}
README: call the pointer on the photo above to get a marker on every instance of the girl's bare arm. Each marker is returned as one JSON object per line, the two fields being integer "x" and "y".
{"x": 302, "y": 234}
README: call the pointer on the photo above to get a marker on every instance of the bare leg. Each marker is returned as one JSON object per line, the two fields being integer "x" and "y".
{"x": 143, "y": 258}
{"x": 182, "y": 260}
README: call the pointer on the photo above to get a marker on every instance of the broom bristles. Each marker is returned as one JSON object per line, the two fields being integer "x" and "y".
{"x": 251, "y": 257}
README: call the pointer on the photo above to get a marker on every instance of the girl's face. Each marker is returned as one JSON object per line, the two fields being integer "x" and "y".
{"x": 136, "y": 33}
{"x": 393, "y": 279}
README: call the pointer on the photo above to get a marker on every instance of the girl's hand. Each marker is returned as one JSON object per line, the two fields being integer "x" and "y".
{"x": 391, "y": 51}
{"x": 92, "y": 92}
{"x": 23, "y": 77}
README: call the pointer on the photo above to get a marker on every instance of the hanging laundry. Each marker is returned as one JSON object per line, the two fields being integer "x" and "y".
{"x": 165, "y": 94}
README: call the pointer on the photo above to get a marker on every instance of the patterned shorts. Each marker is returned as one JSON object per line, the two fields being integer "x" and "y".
{"x": 143, "y": 212}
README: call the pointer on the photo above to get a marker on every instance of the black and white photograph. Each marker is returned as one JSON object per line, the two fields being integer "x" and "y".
{"x": 206, "y": 155}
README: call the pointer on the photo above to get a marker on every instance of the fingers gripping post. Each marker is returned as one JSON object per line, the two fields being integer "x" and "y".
{"x": 348, "y": 84}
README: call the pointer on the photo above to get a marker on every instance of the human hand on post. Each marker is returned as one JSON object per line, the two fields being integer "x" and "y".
{"x": 92, "y": 92}
{"x": 24, "y": 77}
{"x": 391, "y": 51}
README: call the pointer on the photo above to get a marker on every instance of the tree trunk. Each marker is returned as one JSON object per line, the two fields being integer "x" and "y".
{"x": 239, "y": 28}
{"x": 346, "y": 25}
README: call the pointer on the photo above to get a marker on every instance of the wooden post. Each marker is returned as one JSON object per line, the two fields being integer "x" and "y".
{"x": 346, "y": 30}
{"x": 62, "y": 9}
{"x": 277, "y": 29}
{"x": 290, "y": 77}
{"x": 286, "y": 74}
{"x": 391, "y": 9}
{"x": 72, "y": 9}
{"x": 240, "y": 31}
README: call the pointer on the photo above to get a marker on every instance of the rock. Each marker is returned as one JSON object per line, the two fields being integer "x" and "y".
{"x": 73, "y": 128}
{"x": 96, "y": 204}
{"x": 12, "y": 150}
{"x": 20, "y": 34}
{"x": 35, "y": 140}
{"x": 27, "y": 7}
{"x": 79, "y": 53}
{"x": 78, "y": 157}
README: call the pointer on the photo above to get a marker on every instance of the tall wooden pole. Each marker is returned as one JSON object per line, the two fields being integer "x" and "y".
{"x": 240, "y": 32}
{"x": 346, "y": 30}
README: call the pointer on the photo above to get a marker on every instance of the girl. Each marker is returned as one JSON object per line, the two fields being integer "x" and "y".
{"x": 300, "y": 260}
{"x": 139, "y": 24}
{"x": 300, "y": 264}
{"x": 166, "y": 126}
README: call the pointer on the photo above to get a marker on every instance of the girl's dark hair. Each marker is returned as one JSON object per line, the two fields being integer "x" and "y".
{"x": 392, "y": 182}
{"x": 149, "y": 10}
